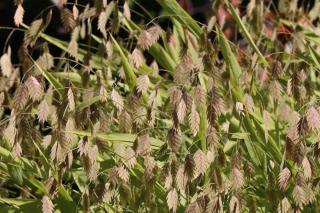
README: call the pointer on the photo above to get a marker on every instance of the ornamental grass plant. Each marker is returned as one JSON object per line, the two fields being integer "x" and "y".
{"x": 164, "y": 114}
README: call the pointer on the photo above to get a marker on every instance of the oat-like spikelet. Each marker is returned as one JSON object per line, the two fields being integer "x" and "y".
{"x": 201, "y": 163}
{"x": 237, "y": 179}
{"x": 172, "y": 199}
{"x": 18, "y": 16}
{"x": 149, "y": 37}
{"x": 47, "y": 205}
{"x": 67, "y": 19}
{"x": 6, "y": 64}
{"x": 194, "y": 120}
{"x": 117, "y": 100}
{"x": 174, "y": 139}
{"x": 313, "y": 118}
{"x": 284, "y": 178}
{"x": 21, "y": 96}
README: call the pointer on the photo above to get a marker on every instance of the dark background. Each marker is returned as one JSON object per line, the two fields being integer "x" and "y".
{"x": 35, "y": 8}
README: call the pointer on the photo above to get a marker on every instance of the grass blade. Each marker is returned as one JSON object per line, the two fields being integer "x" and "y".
{"x": 130, "y": 76}
{"x": 246, "y": 33}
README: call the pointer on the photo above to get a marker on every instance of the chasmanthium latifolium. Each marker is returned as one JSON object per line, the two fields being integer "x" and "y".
{"x": 153, "y": 111}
